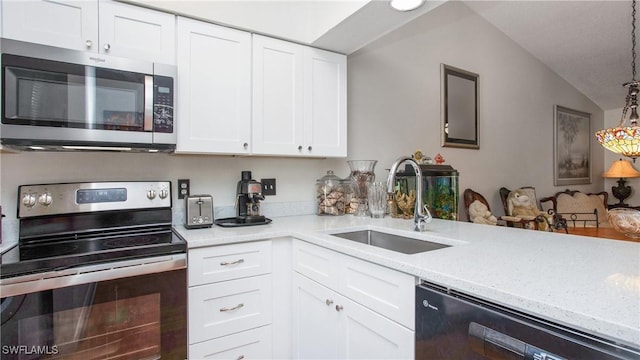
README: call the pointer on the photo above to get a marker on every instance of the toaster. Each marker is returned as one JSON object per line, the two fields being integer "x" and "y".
{"x": 199, "y": 211}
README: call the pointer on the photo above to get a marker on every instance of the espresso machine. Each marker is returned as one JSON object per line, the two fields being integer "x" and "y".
{"x": 248, "y": 204}
{"x": 248, "y": 197}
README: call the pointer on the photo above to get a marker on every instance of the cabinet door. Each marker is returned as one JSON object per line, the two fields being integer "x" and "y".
{"x": 368, "y": 335}
{"x": 325, "y": 102}
{"x": 277, "y": 97}
{"x": 63, "y": 23}
{"x": 316, "y": 333}
{"x": 136, "y": 32}
{"x": 330, "y": 326}
{"x": 214, "y": 89}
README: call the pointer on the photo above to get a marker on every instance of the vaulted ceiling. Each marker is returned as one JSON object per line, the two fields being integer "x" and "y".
{"x": 588, "y": 43}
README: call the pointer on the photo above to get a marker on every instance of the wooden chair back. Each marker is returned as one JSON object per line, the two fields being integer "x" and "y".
{"x": 469, "y": 196}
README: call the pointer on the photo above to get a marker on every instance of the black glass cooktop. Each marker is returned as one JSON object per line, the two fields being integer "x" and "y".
{"x": 59, "y": 254}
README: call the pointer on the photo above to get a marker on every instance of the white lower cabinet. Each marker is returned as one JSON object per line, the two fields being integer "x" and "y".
{"x": 231, "y": 301}
{"x": 250, "y": 344}
{"x": 286, "y": 298}
{"x": 328, "y": 325}
{"x": 347, "y": 308}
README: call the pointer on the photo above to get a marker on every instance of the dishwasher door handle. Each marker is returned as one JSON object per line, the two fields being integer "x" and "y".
{"x": 495, "y": 345}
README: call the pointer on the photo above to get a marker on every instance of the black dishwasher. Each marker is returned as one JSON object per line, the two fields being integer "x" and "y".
{"x": 450, "y": 325}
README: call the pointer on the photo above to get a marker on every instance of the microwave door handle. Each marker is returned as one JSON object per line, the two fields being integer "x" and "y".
{"x": 148, "y": 103}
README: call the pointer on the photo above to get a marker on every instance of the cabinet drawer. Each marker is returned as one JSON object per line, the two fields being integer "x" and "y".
{"x": 227, "y": 262}
{"x": 316, "y": 263}
{"x": 250, "y": 344}
{"x": 383, "y": 290}
{"x": 228, "y": 307}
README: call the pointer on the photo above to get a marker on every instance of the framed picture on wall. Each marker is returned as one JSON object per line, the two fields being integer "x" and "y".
{"x": 571, "y": 147}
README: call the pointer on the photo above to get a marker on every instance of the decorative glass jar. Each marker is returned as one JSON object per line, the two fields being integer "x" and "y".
{"x": 362, "y": 174}
{"x": 330, "y": 195}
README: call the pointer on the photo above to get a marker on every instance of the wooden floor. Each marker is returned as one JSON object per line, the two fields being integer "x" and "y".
{"x": 602, "y": 232}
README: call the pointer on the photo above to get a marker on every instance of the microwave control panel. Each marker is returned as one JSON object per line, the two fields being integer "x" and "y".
{"x": 162, "y": 104}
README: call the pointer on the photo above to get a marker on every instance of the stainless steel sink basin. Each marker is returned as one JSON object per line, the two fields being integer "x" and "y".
{"x": 392, "y": 242}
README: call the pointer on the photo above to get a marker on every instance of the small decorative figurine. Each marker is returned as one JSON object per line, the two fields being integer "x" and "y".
{"x": 439, "y": 159}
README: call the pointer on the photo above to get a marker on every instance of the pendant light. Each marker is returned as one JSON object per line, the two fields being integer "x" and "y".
{"x": 625, "y": 140}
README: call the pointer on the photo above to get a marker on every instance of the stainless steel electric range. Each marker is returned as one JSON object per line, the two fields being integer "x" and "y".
{"x": 97, "y": 269}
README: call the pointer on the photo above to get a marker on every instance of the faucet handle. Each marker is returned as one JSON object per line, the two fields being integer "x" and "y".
{"x": 422, "y": 221}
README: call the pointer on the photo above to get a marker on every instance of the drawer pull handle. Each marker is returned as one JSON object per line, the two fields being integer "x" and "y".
{"x": 225, "y": 263}
{"x": 232, "y": 308}
{"x": 339, "y": 307}
{"x": 240, "y": 357}
{"x": 328, "y": 302}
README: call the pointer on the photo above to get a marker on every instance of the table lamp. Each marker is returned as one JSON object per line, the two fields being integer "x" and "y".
{"x": 621, "y": 169}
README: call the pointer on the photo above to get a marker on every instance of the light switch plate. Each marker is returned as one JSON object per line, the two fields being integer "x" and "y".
{"x": 268, "y": 186}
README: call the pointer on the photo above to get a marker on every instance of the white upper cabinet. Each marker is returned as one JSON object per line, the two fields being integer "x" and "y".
{"x": 299, "y": 100}
{"x": 68, "y": 24}
{"x": 103, "y": 27}
{"x": 277, "y": 96}
{"x": 135, "y": 32}
{"x": 325, "y": 99}
{"x": 214, "y": 89}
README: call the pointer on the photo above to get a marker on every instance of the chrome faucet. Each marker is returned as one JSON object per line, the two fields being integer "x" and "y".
{"x": 421, "y": 214}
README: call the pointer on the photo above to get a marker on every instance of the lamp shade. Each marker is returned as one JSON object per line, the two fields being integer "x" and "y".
{"x": 621, "y": 169}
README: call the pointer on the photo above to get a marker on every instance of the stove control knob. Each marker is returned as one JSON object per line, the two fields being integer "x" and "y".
{"x": 45, "y": 199}
{"x": 29, "y": 200}
{"x": 163, "y": 194}
{"x": 151, "y": 194}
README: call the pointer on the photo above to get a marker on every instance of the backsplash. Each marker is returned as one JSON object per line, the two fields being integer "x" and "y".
{"x": 214, "y": 175}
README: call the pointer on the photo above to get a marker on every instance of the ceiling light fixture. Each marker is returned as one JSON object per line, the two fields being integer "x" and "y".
{"x": 625, "y": 140}
{"x": 406, "y": 5}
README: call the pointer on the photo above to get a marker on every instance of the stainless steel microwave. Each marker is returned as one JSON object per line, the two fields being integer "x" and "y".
{"x": 61, "y": 99}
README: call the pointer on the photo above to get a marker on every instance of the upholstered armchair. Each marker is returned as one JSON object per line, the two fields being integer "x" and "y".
{"x": 534, "y": 217}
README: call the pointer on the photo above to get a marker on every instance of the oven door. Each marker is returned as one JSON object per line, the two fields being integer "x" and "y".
{"x": 137, "y": 317}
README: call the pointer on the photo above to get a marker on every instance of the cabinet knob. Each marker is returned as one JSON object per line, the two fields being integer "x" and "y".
{"x": 310, "y": 148}
{"x": 241, "y": 357}
{"x": 89, "y": 43}
{"x": 245, "y": 146}
{"x": 107, "y": 47}
{"x": 328, "y": 302}
{"x": 339, "y": 307}
{"x": 299, "y": 147}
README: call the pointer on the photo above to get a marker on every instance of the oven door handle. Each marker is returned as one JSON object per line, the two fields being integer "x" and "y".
{"x": 20, "y": 285}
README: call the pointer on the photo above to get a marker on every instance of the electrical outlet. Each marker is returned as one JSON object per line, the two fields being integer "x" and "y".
{"x": 268, "y": 186}
{"x": 183, "y": 188}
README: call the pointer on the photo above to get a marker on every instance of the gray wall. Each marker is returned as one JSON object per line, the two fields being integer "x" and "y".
{"x": 394, "y": 109}
{"x": 394, "y": 103}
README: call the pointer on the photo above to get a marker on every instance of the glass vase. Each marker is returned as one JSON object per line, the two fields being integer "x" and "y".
{"x": 362, "y": 175}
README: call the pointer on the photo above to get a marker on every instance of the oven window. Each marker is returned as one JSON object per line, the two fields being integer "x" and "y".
{"x": 117, "y": 319}
{"x": 48, "y": 93}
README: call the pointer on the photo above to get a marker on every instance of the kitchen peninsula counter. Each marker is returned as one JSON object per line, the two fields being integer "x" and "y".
{"x": 586, "y": 283}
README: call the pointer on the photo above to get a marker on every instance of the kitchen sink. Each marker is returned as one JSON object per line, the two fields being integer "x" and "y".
{"x": 405, "y": 245}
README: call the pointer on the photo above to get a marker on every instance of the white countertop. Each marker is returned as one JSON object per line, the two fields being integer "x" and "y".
{"x": 586, "y": 283}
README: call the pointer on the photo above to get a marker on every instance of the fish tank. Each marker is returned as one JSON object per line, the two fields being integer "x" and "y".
{"x": 439, "y": 188}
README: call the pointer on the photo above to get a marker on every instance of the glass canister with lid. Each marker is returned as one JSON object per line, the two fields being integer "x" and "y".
{"x": 330, "y": 195}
